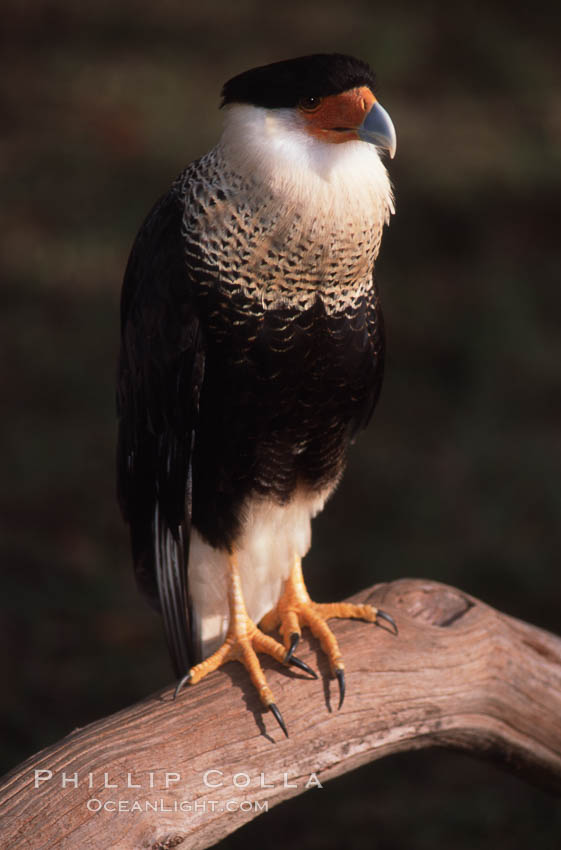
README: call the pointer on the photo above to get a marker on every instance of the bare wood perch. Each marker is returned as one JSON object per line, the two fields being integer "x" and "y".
{"x": 459, "y": 675}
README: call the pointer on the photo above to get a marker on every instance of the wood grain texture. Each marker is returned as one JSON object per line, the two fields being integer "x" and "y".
{"x": 460, "y": 674}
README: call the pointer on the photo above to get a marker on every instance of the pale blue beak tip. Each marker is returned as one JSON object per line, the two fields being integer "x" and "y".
{"x": 378, "y": 129}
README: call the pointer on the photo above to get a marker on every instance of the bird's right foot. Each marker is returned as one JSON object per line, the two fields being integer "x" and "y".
{"x": 295, "y": 609}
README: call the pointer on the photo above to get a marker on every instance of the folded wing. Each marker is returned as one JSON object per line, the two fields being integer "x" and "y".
{"x": 161, "y": 369}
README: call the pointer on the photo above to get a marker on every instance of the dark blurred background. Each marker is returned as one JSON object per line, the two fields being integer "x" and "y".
{"x": 458, "y": 477}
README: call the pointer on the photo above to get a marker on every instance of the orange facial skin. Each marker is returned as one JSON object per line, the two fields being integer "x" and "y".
{"x": 337, "y": 117}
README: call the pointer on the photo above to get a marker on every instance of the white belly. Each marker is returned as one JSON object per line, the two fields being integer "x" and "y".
{"x": 273, "y": 534}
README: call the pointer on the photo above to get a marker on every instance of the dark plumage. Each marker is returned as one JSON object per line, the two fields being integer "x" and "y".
{"x": 283, "y": 84}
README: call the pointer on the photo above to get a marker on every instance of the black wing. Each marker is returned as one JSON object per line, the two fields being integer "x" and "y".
{"x": 161, "y": 368}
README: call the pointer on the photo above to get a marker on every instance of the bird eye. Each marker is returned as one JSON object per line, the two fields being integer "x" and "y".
{"x": 309, "y": 104}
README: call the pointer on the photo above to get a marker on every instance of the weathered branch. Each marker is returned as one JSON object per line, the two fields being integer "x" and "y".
{"x": 459, "y": 675}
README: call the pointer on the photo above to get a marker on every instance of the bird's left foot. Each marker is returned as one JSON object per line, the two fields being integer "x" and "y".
{"x": 295, "y": 609}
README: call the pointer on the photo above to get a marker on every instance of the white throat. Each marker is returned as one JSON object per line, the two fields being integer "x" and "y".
{"x": 346, "y": 182}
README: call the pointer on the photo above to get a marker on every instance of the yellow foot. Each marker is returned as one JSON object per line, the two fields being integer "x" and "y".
{"x": 295, "y": 609}
{"x": 243, "y": 641}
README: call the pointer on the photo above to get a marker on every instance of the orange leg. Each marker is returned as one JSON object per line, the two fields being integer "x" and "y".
{"x": 243, "y": 641}
{"x": 295, "y": 608}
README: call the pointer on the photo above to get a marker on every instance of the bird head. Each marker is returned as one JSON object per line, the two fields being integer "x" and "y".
{"x": 329, "y": 97}
{"x": 312, "y": 130}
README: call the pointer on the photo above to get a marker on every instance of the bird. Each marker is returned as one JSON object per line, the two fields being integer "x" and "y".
{"x": 251, "y": 355}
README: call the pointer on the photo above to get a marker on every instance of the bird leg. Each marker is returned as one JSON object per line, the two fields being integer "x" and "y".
{"x": 295, "y": 609}
{"x": 243, "y": 641}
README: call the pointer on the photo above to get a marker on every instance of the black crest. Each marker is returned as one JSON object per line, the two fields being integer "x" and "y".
{"x": 283, "y": 84}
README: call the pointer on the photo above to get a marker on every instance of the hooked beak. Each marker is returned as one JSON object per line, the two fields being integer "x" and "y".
{"x": 377, "y": 128}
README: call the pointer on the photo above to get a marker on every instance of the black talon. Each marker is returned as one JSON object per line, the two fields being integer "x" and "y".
{"x": 341, "y": 680}
{"x": 297, "y": 662}
{"x": 294, "y": 638}
{"x": 383, "y": 616}
{"x": 278, "y": 717}
{"x": 182, "y": 682}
